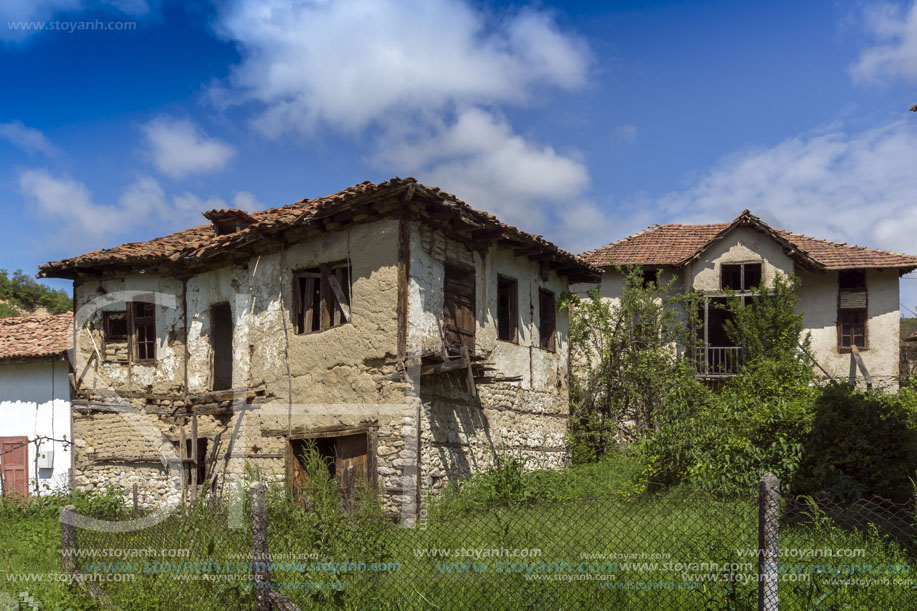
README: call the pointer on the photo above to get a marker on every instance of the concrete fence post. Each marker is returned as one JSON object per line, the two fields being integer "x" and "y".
{"x": 68, "y": 539}
{"x": 261, "y": 556}
{"x": 768, "y": 530}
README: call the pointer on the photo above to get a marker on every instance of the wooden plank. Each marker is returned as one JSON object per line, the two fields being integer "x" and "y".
{"x": 472, "y": 391}
{"x": 404, "y": 264}
{"x": 339, "y": 295}
{"x": 183, "y": 454}
{"x": 855, "y": 353}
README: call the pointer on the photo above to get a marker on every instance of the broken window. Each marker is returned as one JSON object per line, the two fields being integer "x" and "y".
{"x": 547, "y": 319}
{"x": 851, "y": 309}
{"x": 130, "y": 334}
{"x": 321, "y": 298}
{"x": 115, "y": 339}
{"x": 740, "y": 276}
{"x": 458, "y": 309}
{"x": 196, "y": 472}
{"x": 221, "y": 345}
{"x": 649, "y": 277}
{"x": 144, "y": 321}
{"x": 507, "y": 309}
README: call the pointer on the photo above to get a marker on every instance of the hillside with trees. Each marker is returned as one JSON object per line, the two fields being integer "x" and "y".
{"x": 21, "y": 295}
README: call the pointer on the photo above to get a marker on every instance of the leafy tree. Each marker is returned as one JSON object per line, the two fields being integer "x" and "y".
{"x": 20, "y": 293}
{"x": 625, "y": 367}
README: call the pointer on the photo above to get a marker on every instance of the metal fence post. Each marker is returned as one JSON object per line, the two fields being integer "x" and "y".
{"x": 768, "y": 529}
{"x": 261, "y": 555}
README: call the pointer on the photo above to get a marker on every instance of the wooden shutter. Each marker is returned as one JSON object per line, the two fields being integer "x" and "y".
{"x": 458, "y": 309}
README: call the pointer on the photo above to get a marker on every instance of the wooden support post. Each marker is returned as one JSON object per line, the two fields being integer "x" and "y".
{"x": 68, "y": 539}
{"x": 768, "y": 530}
{"x": 858, "y": 358}
{"x": 193, "y": 457}
{"x": 134, "y": 496}
{"x": 466, "y": 360}
{"x": 261, "y": 556}
{"x": 183, "y": 454}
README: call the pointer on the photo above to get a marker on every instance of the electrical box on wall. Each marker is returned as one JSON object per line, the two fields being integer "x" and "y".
{"x": 45, "y": 459}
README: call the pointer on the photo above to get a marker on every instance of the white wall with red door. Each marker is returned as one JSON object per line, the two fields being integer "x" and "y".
{"x": 34, "y": 402}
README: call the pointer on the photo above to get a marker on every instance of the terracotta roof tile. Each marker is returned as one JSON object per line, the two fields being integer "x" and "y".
{"x": 202, "y": 242}
{"x": 675, "y": 245}
{"x": 35, "y": 337}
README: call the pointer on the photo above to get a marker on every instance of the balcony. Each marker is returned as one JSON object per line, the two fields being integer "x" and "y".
{"x": 719, "y": 361}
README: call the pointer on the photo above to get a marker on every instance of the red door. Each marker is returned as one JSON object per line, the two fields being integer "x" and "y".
{"x": 14, "y": 465}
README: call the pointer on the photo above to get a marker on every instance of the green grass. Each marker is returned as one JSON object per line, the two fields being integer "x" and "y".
{"x": 579, "y": 515}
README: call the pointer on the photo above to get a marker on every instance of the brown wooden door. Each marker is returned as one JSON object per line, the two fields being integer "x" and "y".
{"x": 351, "y": 454}
{"x": 14, "y": 465}
{"x": 459, "y": 309}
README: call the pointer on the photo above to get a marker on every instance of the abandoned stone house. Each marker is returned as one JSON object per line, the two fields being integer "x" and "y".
{"x": 409, "y": 336}
{"x": 848, "y": 294}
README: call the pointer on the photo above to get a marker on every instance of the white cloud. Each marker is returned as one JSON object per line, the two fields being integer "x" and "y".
{"x": 67, "y": 205}
{"x": 27, "y": 138}
{"x": 179, "y": 148}
{"x": 481, "y": 159}
{"x": 349, "y": 63}
{"x": 851, "y": 186}
{"x": 429, "y": 78}
{"x": 893, "y": 55}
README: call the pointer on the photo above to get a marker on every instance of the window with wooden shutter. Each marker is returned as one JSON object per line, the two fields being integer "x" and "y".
{"x": 740, "y": 277}
{"x": 852, "y": 310}
{"x": 321, "y": 298}
{"x": 116, "y": 333}
{"x": 458, "y": 309}
{"x": 547, "y": 320}
{"x": 507, "y": 309}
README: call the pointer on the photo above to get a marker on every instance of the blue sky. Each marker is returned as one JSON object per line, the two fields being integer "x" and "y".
{"x": 584, "y": 122}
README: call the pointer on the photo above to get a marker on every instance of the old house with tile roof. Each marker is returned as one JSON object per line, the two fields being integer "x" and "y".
{"x": 848, "y": 295}
{"x": 34, "y": 404}
{"x": 408, "y": 336}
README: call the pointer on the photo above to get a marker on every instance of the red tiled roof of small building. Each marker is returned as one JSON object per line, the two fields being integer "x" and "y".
{"x": 676, "y": 245}
{"x": 35, "y": 337}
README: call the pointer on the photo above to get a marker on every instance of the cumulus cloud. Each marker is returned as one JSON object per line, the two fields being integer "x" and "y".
{"x": 893, "y": 54}
{"x": 178, "y": 148}
{"x": 429, "y": 79}
{"x": 348, "y": 64}
{"x": 67, "y": 205}
{"x": 27, "y": 138}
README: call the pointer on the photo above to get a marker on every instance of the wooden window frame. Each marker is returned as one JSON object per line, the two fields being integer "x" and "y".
{"x": 848, "y": 282}
{"x": 335, "y": 295}
{"x": 134, "y": 323}
{"x": 511, "y": 285}
{"x": 145, "y": 321}
{"x": 549, "y": 343}
{"x": 741, "y": 265}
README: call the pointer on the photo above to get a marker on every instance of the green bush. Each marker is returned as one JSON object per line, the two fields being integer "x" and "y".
{"x": 860, "y": 445}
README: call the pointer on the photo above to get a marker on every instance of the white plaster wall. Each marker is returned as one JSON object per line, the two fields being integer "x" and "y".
{"x": 818, "y": 304}
{"x": 740, "y": 245}
{"x": 35, "y": 400}
{"x": 430, "y": 250}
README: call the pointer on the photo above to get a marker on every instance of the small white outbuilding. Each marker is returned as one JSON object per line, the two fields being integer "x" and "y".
{"x": 35, "y": 423}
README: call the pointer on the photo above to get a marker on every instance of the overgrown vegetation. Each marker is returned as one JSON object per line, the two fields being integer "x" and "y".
{"x": 773, "y": 416}
{"x": 21, "y": 295}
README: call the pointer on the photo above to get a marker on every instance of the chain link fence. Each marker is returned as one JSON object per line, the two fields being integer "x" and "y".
{"x": 678, "y": 550}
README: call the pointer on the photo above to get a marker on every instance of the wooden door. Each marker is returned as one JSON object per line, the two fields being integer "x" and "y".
{"x": 14, "y": 465}
{"x": 351, "y": 458}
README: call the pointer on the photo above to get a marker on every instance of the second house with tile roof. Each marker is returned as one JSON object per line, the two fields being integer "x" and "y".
{"x": 849, "y": 295}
